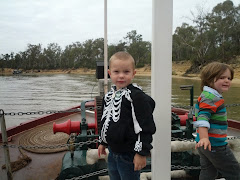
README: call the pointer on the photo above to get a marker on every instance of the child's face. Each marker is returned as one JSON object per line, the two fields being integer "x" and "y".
{"x": 121, "y": 72}
{"x": 224, "y": 82}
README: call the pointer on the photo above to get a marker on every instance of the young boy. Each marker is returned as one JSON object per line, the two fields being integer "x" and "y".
{"x": 215, "y": 155}
{"x": 127, "y": 122}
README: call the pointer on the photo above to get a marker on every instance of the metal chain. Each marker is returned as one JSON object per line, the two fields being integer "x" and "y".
{"x": 106, "y": 170}
{"x": 185, "y": 167}
{"x": 232, "y": 105}
{"x": 233, "y": 137}
{"x": 80, "y": 144}
{"x": 188, "y": 107}
{"x": 183, "y": 107}
{"x": 87, "y": 108}
{"x": 182, "y": 139}
{"x": 89, "y": 175}
{"x": 50, "y": 111}
{"x": 192, "y": 140}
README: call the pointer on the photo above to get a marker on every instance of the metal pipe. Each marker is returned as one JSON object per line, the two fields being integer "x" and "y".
{"x": 161, "y": 68}
{"x": 190, "y": 88}
{"x": 5, "y": 146}
{"x": 105, "y": 49}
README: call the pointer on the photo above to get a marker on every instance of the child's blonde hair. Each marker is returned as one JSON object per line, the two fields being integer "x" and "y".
{"x": 122, "y": 55}
{"x": 212, "y": 72}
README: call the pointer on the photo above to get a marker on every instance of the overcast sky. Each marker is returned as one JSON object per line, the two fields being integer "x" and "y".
{"x": 24, "y": 22}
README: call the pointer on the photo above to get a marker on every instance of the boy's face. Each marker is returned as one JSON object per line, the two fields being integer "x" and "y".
{"x": 121, "y": 72}
{"x": 224, "y": 82}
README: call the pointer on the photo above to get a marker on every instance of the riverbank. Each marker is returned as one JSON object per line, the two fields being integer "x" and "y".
{"x": 178, "y": 71}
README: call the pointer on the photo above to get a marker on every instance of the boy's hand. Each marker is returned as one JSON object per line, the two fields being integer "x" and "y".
{"x": 101, "y": 150}
{"x": 139, "y": 162}
{"x": 204, "y": 142}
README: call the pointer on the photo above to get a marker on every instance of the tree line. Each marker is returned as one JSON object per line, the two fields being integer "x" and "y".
{"x": 213, "y": 36}
{"x": 76, "y": 55}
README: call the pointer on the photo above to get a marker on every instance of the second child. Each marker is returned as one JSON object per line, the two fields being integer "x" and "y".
{"x": 215, "y": 156}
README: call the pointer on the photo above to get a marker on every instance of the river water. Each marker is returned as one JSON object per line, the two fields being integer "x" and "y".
{"x": 34, "y": 93}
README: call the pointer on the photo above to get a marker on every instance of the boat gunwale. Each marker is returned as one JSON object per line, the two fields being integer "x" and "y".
{"x": 12, "y": 131}
{"x": 48, "y": 118}
{"x": 231, "y": 123}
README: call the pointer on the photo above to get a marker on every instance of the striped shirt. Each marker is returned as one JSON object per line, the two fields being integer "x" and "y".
{"x": 210, "y": 112}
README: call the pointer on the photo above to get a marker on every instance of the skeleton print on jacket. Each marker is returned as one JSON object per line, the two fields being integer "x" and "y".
{"x": 127, "y": 121}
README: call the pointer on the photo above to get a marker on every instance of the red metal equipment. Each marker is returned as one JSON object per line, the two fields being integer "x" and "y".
{"x": 183, "y": 119}
{"x": 71, "y": 127}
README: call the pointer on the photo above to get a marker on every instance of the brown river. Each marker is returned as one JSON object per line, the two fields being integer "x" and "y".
{"x": 34, "y": 93}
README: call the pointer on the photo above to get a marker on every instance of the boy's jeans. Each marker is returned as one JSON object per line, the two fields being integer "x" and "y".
{"x": 121, "y": 167}
{"x": 219, "y": 159}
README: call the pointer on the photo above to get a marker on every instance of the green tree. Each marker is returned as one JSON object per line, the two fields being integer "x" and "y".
{"x": 18, "y": 61}
{"x": 88, "y": 58}
{"x": 225, "y": 22}
{"x": 51, "y": 58}
{"x": 139, "y": 49}
{"x": 213, "y": 36}
{"x": 67, "y": 58}
{"x": 33, "y": 56}
{"x": 183, "y": 42}
{"x": 112, "y": 49}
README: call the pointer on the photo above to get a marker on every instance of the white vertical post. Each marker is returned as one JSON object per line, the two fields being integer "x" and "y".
{"x": 161, "y": 87}
{"x": 105, "y": 49}
{"x": 5, "y": 147}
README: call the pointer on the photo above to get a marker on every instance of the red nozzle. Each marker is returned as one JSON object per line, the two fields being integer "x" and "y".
{"x": 67, "y": 127}
{"x": 183, "y": 119}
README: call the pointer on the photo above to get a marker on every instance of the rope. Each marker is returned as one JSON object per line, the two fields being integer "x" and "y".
{"x": 42, "y": 136}
{"x": 23, "y": 161}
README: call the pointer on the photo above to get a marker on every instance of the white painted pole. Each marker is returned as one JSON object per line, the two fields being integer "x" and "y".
{"x": 161, "y": 87}
{"x": 5, "y": 147}
{"x": 105, "y": 49}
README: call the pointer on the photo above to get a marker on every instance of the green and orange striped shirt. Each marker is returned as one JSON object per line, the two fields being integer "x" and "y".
{"x": 210, "y": 112}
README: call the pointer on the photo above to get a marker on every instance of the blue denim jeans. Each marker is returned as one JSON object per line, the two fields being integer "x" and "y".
{"x": 219, "y": 159}
{"x": 121, "y": 167}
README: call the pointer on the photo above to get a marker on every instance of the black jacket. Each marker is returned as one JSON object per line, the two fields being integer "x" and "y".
{"x": 117, "y": 124}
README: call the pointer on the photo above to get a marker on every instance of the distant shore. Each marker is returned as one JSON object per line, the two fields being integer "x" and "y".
{"x": 178, "y": 71}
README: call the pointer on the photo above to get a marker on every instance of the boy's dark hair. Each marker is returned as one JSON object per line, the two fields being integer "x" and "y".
{"x": 212, "y": 72}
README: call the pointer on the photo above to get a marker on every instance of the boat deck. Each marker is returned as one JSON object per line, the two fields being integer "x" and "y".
{"x": 44, "y": 166}
{"x": 47, "y": 165}
{"x": 233, "y": 132}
